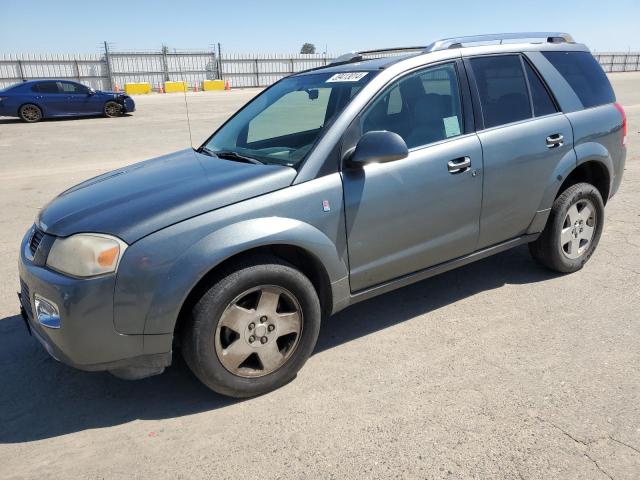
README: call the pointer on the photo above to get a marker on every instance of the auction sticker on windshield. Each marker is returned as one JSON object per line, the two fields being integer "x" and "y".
{"x": 347, "y": 77}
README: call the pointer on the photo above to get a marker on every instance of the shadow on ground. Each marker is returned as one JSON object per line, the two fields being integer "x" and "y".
{"x": 41, "y": 398}
{"x": 10, "y": 120}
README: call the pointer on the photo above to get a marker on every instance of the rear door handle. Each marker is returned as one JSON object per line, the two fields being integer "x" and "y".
{"x": 459, "y": 165}
{"x": 555, "y": 140}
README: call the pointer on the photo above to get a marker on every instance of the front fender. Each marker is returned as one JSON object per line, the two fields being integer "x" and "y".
{"x": 160, "y": 294}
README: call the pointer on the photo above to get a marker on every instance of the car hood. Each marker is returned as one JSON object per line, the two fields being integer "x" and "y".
{"x": 139, "y": 199}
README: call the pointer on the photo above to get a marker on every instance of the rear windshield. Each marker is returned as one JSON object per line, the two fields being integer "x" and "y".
{"x": 585, "y": 75}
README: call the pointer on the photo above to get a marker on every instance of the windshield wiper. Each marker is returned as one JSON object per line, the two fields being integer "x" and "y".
{"x": 231, "y": 155}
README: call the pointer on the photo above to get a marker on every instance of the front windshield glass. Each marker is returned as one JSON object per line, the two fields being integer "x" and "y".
{"x": 282, "y": 124}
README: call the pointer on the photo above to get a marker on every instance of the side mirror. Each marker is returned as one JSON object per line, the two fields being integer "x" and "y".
{"x": 378, "y": 147}
{"x": 91, "y": 91}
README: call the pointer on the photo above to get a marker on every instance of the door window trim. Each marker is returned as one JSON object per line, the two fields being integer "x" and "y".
{"x": 475, "y": 93}
{"x": 350, "y": 137}
{"x": 526, "y": 61}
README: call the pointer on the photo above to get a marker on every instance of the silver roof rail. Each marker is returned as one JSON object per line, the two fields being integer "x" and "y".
{"x": 359, "y": 56}
{"x": 457, "y": 42}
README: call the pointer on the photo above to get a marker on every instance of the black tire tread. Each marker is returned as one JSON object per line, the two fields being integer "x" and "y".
{"x": 545, "y": 250}
{"x": 198, "y": 330}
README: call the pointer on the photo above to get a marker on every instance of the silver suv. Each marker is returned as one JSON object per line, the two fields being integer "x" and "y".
{"x": 332, "y": 186}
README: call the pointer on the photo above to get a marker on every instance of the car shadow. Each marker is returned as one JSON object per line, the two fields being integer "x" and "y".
{"x": 11, "y": 120}
{"x": 41, "y": 398}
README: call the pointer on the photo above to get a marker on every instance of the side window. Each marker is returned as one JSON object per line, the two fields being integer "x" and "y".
{"x": 46, "y": 87}
{"x": 502, "y": 89}
{"x": 423, "y": 107}
{"x": 68, "y": 87}
{"x": 542, "y": 102}
{"x": 585, "y": 75}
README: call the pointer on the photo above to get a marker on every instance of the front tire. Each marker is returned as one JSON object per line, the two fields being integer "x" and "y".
{"x": 253, "y": 330}
{"x": 30, "y": 113}
{"x": 573, "y": 230}
{"x": 113, "y": 109}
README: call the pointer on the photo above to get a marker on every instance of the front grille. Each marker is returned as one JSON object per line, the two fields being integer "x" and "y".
{"x": 34, "y": 241}
{"x": 25, "y": 298}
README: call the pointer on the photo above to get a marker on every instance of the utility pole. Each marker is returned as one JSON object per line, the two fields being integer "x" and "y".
{"x": 165, "y": 63}
{"x": 107, "y": 58}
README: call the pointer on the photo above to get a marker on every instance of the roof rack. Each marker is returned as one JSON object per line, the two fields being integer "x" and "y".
{"x": 359, "y": 56}
{"x": 457, "y": 42}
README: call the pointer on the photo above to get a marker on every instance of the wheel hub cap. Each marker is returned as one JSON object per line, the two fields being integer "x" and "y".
{"x": 258, "y": 331}
{"x": 578, "y": 229}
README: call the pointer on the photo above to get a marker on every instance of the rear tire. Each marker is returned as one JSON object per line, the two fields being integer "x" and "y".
{"x": 573, "y": 230}
{"x": 113, "y": 109}
{"x": 30, "y": 113}
{"x": 252, "y": 330}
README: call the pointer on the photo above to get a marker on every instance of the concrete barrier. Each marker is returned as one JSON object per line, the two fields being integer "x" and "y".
{"x": 172, "y": 87}
{"x": 137, "y": 88}
{"x": 212, "y": 85}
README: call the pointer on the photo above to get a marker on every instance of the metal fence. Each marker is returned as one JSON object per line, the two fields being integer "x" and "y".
{"x": 619, "y": 62}
{"x": 105, "y": 71}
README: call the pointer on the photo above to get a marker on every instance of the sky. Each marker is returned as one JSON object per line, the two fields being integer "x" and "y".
{"x": 252, "y": 26}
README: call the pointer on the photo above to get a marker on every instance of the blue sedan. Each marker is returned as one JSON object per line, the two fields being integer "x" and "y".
{"x": 34, "y": 100}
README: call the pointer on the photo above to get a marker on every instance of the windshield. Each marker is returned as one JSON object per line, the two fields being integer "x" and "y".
{"x": 282, "y": 124}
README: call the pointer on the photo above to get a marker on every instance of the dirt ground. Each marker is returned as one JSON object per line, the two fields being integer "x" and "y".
{"x": 496, "y": 370}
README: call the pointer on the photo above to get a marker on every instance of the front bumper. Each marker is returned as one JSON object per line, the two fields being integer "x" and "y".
{"x": 129, "y": 105}
{"x": 86, "y": 339}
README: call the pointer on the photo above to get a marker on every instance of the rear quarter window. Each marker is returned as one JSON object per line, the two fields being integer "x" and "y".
{"x": 585, "y": 76}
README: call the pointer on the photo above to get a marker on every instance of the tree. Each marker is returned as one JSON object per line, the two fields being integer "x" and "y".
{"x": 308, "y": 48}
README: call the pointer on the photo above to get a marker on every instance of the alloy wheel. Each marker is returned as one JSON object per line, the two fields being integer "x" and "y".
{"x": 578, "y": 229}
{"x": 31, "y": 113}
{"x": 258, "y": 331}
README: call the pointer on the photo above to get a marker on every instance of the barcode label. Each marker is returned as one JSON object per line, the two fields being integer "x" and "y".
{"x": 347, "y": 77}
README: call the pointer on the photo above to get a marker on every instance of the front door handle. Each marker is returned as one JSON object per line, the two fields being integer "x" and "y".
{"x": 555, "y": 140}
{"x": 459, "y": 165}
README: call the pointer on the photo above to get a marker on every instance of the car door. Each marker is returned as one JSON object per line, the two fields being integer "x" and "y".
{"x": 413, "y": 213}
{"x": 77, "y": 100}
{"x": 523, "y": 140}
{"x": 48, "y": 96}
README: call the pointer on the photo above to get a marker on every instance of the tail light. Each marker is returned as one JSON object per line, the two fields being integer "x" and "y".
{"x": 624, "y": 122}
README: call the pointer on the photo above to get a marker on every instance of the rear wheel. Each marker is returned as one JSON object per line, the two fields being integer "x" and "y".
{"x": 30, "y": 113}
{"x": 573, "y": 229}
{"x": 251, "y": 331}
{"x": 112, "y": 109}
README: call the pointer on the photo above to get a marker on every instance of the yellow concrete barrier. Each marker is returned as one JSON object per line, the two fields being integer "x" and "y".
{"x": 137, "y": 88}
{"x": 212, "y": 85}
{"x": 171, "y": 87}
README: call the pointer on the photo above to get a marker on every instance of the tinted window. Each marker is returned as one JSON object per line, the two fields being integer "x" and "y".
{"x": 502, "y": 89}
{"x": 585, "y": 75}
{"x": 47, "y": 87}
{"x": 422, "y": 108}
{"x": 542, "y": 102}
{"x": 68, "y": 87}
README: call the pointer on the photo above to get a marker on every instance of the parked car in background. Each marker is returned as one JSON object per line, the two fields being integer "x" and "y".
{"x": 332, "y": 186}
{"x": 34, "y": 100}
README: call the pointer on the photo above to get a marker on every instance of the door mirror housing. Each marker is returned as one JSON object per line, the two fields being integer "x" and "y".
{"x": 91, "y": 91}
{"x": 378, "y": 147}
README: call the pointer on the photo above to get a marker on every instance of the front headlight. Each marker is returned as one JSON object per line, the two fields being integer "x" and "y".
{"x": 86, "y": 254}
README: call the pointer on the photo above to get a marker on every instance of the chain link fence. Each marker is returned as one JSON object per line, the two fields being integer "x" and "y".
{"x": 111, "y": 69}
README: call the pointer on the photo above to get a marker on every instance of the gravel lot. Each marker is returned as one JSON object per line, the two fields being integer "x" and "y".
{"x": 496, "y": 370}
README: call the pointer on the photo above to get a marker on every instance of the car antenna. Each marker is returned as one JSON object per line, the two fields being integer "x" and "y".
{"x": 184, "y": 91}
